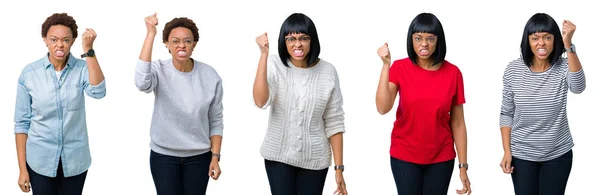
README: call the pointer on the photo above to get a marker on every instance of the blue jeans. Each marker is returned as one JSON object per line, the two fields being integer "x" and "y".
{"x": 180, "y": 175}
{"x": 418, "y": 179}
{"x": 59, "y": 185}
{"x": 285, "y": 179}
{"x": 542, "y": 178}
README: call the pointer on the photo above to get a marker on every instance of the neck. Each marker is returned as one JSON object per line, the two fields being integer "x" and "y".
{"x": 58, "y": 65}
{"x": 540, "y": 65}
{"x": 426, "y": 63}
{"x": 183, "y": 65}
{"x": 299, "y": 64}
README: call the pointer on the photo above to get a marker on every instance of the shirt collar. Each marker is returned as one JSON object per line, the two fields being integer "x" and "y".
{"x": 47, "y": 62}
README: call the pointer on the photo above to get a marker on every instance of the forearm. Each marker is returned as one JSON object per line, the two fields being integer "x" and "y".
{"x": 261, "y": 87}
{"x": 574, "y": 63}
{"x": 21, "y": 141}
{"x": 95, "y": 72}
{"x": 506, "y": 139}
{"x": 460, "y": 140}
{"x": 383, "y": 96}
{"x": 146, "y": 54}
{"x": 215, "y": 144}
{"x": 337, "y": 145}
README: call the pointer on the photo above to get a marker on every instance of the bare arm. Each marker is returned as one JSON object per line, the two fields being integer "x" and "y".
{"x": 337, "y": 145}
{"x": 21, "y": 140}
{"x": 386, "y": 91}
{"x": 261, "y": 87}
{"x": 505, "y": 131}
{"x": 459, "y": 132}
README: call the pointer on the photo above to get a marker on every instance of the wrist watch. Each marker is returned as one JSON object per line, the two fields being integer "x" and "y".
{"x": 89, "y": 53}
{"x": 218, "y": 156}
{"x": 466, "y": 166}
{"x": 339, "y": 167}
{"x": 571, "y": 48}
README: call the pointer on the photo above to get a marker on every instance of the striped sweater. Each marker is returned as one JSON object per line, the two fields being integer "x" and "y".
{"x": 534, "y": 106}
{"x": 306, "y": 109}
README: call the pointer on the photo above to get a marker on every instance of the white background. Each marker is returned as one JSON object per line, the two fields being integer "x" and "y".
{"x": 481, "y": 39}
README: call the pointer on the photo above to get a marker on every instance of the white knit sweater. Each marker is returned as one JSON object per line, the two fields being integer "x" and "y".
{"x": 306, "y": 109}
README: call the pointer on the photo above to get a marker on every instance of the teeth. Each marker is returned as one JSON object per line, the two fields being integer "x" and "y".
{"x": 60, "y": 52}
{"x": 424, "y": 50}
{"x": 297, "y": 51}
{"x": 181, "y": 52}
{"x": 541, "y": 49}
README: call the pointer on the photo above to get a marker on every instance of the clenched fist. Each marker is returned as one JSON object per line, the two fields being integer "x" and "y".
{"x": 384, "y": 54}
{"x": 263, "y": 43}
{"x": 151, "y": 22}
{"x": 88, "y": 38}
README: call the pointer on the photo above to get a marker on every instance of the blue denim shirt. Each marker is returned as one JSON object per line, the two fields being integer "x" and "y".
{"x": 51, "y": 111}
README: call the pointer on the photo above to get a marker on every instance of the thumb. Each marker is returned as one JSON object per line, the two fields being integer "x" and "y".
{"x": 154, "y": 14}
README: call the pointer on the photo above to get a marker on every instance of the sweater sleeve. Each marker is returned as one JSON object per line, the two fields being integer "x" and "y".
{"x": 145, "y": 77}
{"x": 334, "y": 113}
{"x": 576, "y": 81}
{"x": 508, "y": 106}
{"x": 215, "y": 113}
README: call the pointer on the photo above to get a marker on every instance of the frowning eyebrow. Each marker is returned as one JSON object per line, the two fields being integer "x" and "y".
{"x": 52, "y": 36}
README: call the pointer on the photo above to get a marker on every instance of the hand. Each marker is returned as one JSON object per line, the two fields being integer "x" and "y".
{"x": 24, "y": 182}
{"x": 464, "y": 178}
{"x": 384, "y": 54}
{"x": 88, "y": 36}
{"x": 505, "y": 164}
{"x": 151, "y": 22}
{"x": 263, "y": 43}
{"x": 214, "y": 170}
{"x": 567, "y": 32}
{"x": 341, "y": 184}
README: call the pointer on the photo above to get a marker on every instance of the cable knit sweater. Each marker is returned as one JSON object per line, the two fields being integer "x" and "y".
{"x": 306, "y": 109}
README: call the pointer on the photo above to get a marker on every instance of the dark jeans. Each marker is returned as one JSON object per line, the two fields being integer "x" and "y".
{"x": 59, "y": 185}
{"x": 417, "y": 179}
{"x": 285, "y": 179}
{"x": 180, "y": 175}
{"x": 542, "y": 178}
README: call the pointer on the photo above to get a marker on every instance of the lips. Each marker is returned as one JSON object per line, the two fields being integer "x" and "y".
{"x": 59, "y": 53}
{"x": 298, "y": 52}
{"x": 424, "y": 52}
{"x": 542, "y": 52}
{"x": 181, "y": 53}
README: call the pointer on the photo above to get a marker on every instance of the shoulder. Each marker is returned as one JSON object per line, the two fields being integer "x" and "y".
{"x": 31, "y": 67}
{"x": 450, "y": 66}
{"x": 563, "y": 63}
{"x": 206, "y": 70}
{"x": 402, "y": 62}
{"x": 326, "y": 66}
{"x": 516, "y": 64}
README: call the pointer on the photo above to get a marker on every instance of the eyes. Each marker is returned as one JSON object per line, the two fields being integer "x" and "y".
{"x": 186, "y": 41}
{"x": 302, "y": 39}
{"x": 430, "y": 39}
{"x": 546, "y": 38}
{"x": 55, "y": 40}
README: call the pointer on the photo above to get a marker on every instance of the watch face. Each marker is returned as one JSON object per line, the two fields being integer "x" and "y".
{"x": 90, "y": 52}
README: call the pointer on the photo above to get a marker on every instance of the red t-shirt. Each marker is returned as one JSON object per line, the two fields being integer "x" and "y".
{"x": 422, "y": 132}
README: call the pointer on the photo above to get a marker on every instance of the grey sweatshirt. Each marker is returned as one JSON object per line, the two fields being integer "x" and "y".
{"x": 188, "y": 107}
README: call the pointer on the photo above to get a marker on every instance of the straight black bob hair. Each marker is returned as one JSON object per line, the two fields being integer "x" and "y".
{"x": 541, "y": 22}
{"x": 427, "y": 23}
{"x": 299, "y": 23}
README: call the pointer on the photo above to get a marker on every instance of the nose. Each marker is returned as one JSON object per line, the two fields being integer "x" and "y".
{"x": 59, "y": 44}
{"x": 424, "y": 43}
{"x": 297, "y": 43}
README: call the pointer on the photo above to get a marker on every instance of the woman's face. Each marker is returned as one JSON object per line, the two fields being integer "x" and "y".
{"x": 424, "y": 44}
{"x": 59, "y": 40}
{"x": 181, "y": 43}
{"x": 298, "y": 46}
{"x": 542, "y": 44}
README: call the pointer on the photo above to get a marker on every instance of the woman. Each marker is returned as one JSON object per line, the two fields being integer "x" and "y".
{"x": 307, "y": 120}
{"x": 533, "y": 118}
{"x": 187, "y": 121}
{"x": 50, "y": 121}
{"x": 430, "y": 118}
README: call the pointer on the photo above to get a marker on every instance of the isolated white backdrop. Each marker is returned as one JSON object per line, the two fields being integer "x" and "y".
{"x": 481, "y": 37}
